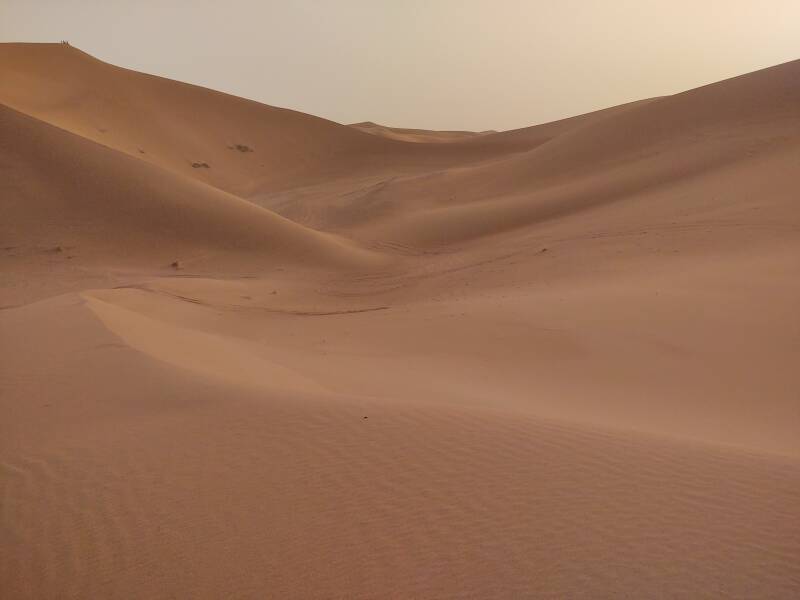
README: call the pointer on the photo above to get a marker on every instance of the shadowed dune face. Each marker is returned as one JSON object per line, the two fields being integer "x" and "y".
{"x": 248, "y": 352}
{"x": 113, "y": 207}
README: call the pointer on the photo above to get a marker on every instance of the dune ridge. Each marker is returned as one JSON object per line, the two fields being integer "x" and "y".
{"x": 357, "y": 361}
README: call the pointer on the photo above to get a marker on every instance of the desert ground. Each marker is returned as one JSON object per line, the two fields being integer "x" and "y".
{"x": 246, "y": 352}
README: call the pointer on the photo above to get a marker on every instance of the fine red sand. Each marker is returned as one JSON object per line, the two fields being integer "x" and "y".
{"x": 250, "y": 353}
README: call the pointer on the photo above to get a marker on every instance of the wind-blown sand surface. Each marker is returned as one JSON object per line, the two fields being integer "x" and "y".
{"x": 556, "y": 362}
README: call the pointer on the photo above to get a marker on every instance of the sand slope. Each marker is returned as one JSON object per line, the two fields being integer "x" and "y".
{"x": 246, "y": 146}
{"x": 553, "y": 362}
{"x": 66, "y": 191}
{"x": 168, "y": 123}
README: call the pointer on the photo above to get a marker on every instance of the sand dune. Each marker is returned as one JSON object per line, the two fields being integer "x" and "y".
{"x": 611, "y": 156}
{"x": 553, "y": 362}
{"x": 154, "y": 119}
{"x": 416, "y": 135}
{"x": 104, "y": 205}
{"x": 244, "y": 146}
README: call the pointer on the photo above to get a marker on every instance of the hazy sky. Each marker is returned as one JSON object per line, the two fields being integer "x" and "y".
{"x": 443, "y": 64}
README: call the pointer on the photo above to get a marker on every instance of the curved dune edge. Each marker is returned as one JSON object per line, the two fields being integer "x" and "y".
{"x": 232, "y": 361}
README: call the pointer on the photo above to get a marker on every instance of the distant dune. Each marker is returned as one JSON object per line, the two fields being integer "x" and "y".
{"x": 252, "y": 353}
{"x": 416, "y": 135}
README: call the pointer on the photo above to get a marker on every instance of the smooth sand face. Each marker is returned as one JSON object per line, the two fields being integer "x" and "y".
{"x": 553, "y": 362}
